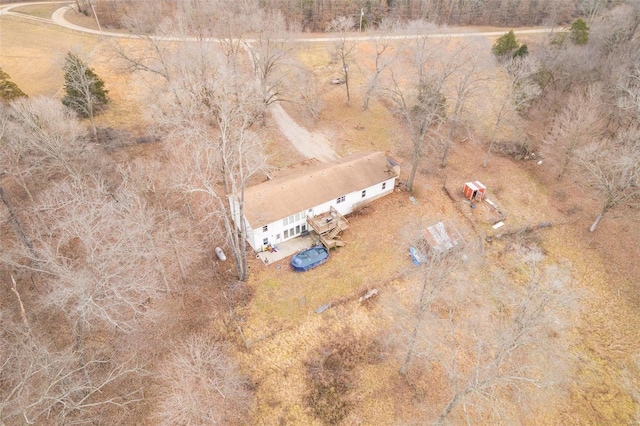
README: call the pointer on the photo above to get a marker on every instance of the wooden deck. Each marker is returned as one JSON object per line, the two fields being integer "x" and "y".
{"x": 328, "y": 226}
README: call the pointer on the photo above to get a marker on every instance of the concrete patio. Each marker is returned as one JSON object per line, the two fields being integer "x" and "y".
{"x": 288, "y": 249}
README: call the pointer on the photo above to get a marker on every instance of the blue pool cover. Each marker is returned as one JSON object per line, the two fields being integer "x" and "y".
{"x": 310, "y": 258}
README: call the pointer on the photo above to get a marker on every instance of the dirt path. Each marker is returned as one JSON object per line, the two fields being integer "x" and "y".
{"x": 311, "y": 145}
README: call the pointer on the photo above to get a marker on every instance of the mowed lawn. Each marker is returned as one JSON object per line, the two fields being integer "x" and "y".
{"x": 32, "y": 55}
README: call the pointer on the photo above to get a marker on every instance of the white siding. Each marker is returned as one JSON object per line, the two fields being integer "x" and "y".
{"x": 278, "y": 228}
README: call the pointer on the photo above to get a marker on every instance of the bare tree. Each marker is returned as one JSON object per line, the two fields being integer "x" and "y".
{"x": 383, "y": 45}
{"x": 41, "y": 138}
{"x": 434, "y": 277}
{"x": 307, "y": 90}
{"x": 579, "y": 123}
{"x": 418, "y": 97}
{"x": 45, "y": 384}
{"x": 269, "y": 52}
{"x": 466, "y": 84}
{"x": 200, "y": 384}
{"x": 613, "y": 169}
{"x": 93, "y": 242}
{"x": 214, "y": 120}
{"x": 516, "y": 95}
{"x": 628, "y": 88}
{"x": 510, "y": 343}
{"x": 592, "y": 8}
{"x": 344, "y": 46}
{"x": 211, "y": 104}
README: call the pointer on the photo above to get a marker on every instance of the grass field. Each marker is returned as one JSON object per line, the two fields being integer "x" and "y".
{"x": 33, "y": 54}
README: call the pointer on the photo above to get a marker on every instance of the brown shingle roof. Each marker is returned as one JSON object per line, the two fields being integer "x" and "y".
{"x": 281, "y": 197}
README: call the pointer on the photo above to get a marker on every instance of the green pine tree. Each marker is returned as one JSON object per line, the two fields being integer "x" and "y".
{"x": 84, "y": 90}
{"x": 505, "y": 45}
{"x": 8, "y": 89}
{"x": 579, "y": 32}
{"x": 523, "y": 50}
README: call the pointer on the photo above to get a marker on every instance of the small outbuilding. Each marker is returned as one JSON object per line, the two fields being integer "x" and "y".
{"x": 474, "y": 190}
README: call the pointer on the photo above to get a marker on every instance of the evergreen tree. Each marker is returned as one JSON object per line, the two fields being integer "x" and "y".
{"x": 579, "y": 32}
{"x": 523, "y": 50}
{"x": 84, "y": 90}
{"x": 8, "y": 89}
{"x": 505, "y": 45}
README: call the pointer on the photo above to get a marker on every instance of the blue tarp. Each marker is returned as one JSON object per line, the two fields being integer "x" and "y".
{"x": 310, "y": 258}
{"x": 416, "y": 256}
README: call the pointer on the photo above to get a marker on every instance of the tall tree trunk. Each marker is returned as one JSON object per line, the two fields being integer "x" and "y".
{"x": 412, "y": 343}
{"x": 415, "y": 161}
{"x": 80, "y": 352}
{"x": 19, "y": 228}
{"x": 346, "y": 81}
{"x": 447, "y": 145}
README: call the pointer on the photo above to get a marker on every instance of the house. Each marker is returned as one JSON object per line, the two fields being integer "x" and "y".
{"x": 276, "y": 210}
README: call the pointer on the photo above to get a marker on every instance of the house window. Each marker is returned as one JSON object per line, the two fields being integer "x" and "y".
{"x": 285, "y": 221}
{"x": 297, "y": 229}
{"x": 291, "y": 233}
{"x": 340, "y": 200}
{"x": 286, "y": 233}
{"x": 298, "y": 216}
{"x": 384, "y": 185}
{"x": 265, "y": 228}
{"x": 265, "y": 242}
{"x": 304, "y": 227}
{"x": 364, "y": 193}
{"x": 292, "y": 219}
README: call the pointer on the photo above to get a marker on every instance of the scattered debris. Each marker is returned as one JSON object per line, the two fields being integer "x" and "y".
{"x": 416, "y": 256}
{"x": 498, "y": 225}
{"x": 220, "y": 254}
{"x": 525, "y": 230}
{"x": 323, "y": 308}
{"x": 413, "y": 200}
{"x": 442, "y": 238}
{"x": 491, "y": 203}
{"x": 369, "y": 294}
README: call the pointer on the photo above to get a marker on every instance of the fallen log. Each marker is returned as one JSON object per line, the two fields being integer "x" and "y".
{"x": 525, "y": 230}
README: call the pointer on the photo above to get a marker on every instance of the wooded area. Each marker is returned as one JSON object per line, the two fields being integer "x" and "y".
{"x": 115, "y": 309}
{"x": 315, "y": 15}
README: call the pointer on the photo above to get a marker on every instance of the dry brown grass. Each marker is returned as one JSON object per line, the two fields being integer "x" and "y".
{"x": 32, "y": 55}
{"x": 38, "y": 10}
{"x": 280, "y": 323}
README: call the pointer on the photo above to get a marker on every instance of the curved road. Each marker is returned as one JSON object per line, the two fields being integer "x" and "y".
{"x": 58, "y": 18}
{"x": 310, "y": 145}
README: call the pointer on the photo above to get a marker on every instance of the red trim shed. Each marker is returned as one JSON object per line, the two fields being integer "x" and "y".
{"x": 474, "y": 190}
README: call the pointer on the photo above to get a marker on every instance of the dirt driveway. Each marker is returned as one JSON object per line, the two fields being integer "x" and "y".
{"x": 310, "y": 145}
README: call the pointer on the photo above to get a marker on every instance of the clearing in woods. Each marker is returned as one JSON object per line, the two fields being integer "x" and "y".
{"x": 280, "y": 326}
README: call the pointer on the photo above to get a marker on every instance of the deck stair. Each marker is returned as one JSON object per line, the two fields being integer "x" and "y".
{"x": 328, "y": 226}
